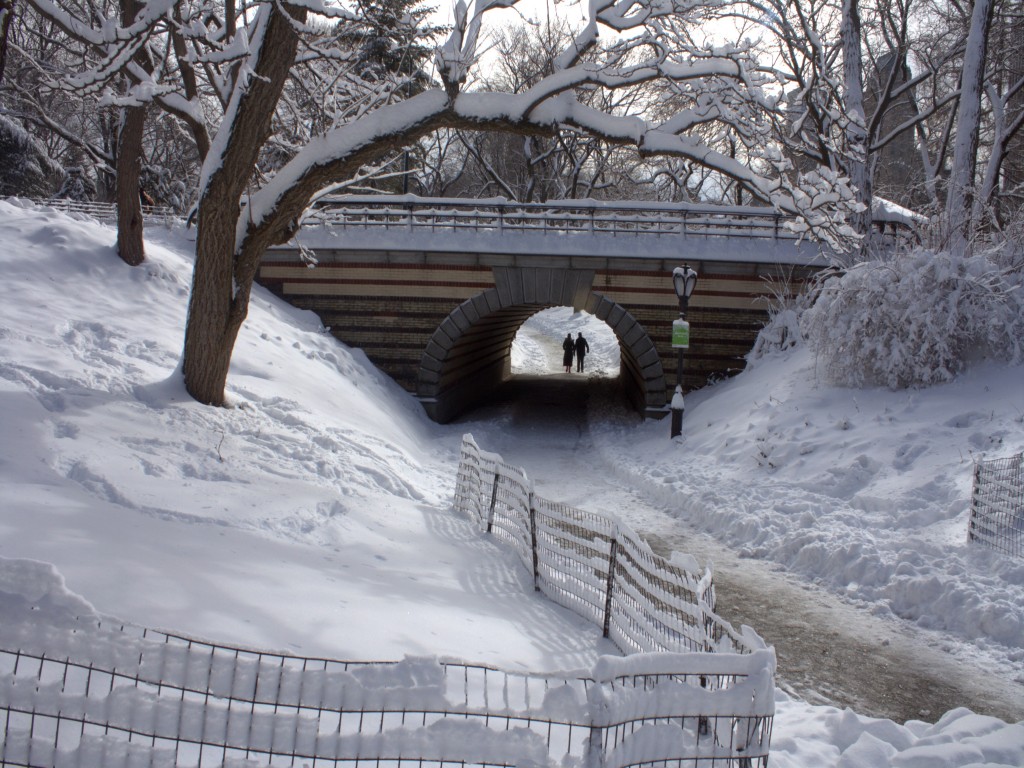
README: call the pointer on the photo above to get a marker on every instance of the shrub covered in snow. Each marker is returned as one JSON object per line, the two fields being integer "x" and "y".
{"x": 785, "y": 308}
{"x": 918, "y": 318}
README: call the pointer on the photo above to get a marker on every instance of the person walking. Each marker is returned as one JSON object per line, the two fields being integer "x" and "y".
{"x": 567, "y": 351}
{"x": 582, "y": 349}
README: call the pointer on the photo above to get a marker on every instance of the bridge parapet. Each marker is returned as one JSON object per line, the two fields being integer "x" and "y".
{"x": 564, "y": 227}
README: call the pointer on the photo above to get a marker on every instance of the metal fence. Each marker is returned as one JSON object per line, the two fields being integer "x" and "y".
{"x": 105, "y": 211}
{"x": 93, "y": 695}
{"x": 116, "y": 697}
{"x": 997, "y": 505}
{"x": 592, "y": 564}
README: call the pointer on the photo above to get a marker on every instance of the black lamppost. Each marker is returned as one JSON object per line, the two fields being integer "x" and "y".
{"x": 683, "y": 280}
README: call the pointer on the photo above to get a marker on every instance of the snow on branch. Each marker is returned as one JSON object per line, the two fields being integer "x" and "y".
{"x": 699, "y": 92}
{"x": 458, "y": 54}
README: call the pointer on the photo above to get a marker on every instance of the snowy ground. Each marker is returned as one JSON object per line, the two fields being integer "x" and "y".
{"x": 314, "y": 515}
{"x": 864, "y": 491}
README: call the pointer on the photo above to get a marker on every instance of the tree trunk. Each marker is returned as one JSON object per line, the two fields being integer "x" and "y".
{"x": 960, "y": 199}
{"x": 130, "y": 244}
{"x": 219, "y": 301}
{"x": 856, "y": 131}
{"x": 128, "y": 167}
{"x": 6, "y": 16}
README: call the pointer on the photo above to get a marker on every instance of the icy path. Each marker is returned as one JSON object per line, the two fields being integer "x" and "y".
{"x": 830, "y": 651}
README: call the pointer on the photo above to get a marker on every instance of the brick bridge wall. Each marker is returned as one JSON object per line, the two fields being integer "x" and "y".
{"x": 442, "y": 324}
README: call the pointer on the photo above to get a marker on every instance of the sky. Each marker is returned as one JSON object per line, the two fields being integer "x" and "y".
{"x": 313, "y": 516}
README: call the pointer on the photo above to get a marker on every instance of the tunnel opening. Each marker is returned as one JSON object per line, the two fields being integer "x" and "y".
{"x": 469, "y": 357}
{"x": 537, "y": 345}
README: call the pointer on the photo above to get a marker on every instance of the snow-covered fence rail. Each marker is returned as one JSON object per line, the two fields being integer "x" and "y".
{"x": 593, "y": 564}
{"x": 498, "y": 216}
{"x": 997, "y": 505}
{"x": 104, "y": 211}
{"x": 83, "y": 694}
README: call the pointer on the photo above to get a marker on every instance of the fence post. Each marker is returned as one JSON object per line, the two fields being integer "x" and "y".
{"x": 974, "y": 501}
{"x": 702, "y": 721}
{"x": 594, "y": 755}
{"x": 494, "y": 501}
{"x": 612, "y": 557}
{"x": 533, "y": 542}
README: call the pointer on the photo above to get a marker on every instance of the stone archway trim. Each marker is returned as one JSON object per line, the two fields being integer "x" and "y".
{"x": 519, "y": 292}
{"x": 540, "y": 285}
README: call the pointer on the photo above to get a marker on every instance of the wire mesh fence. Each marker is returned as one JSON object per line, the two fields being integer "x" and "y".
{"x": 89, "y": 694}
{"x": 997, "y": 505}
{"x": 107, "y": 696}
{"x": 592, "y": 564}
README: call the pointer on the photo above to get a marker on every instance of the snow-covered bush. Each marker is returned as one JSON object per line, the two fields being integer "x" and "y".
{"x": 918, "y": 318}
{"x": 786, "y": 306}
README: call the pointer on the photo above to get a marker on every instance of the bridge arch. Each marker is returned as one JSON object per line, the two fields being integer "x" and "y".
{"x": 469, "y": 354}
{"x": 391, "y": 270}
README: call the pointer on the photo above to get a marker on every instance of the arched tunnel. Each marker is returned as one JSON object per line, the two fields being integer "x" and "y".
{"x": 469, "y": 355}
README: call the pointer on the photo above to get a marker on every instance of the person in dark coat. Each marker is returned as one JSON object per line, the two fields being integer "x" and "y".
{"x": 582, "y": 349}
{"x": 567, "y": 348}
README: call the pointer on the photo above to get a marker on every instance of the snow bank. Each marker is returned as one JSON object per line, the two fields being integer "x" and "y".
{"x": 864, "y": 491}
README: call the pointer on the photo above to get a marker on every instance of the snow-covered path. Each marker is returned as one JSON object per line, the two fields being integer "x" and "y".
{"x": 830, "y": 651}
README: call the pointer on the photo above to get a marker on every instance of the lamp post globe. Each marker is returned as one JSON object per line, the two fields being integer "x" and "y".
{"x": 684, "y": 280}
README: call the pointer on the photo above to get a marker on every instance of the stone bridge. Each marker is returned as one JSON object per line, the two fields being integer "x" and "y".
{"x": 433, "y": 291}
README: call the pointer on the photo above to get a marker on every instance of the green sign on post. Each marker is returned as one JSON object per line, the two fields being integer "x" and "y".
{"x": 680, "y": 334}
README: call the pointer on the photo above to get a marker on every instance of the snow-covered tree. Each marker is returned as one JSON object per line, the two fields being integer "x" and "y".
{"x": 69, "y": 131}
{"x": 6, "y": 18}
{"x": 124, "y": 59}
{"x": 971, "y": 145}
{"x": 961, "y": 195}
{"x": 26, "y": 169}
{"x": 857, "y": 139}
{"x": 77, "y": 185}
{"x": 393, "y": 37}
{"x": 237, "y": 222}
{"x": 848, "y": 91}
{"x": 119, "y": 146}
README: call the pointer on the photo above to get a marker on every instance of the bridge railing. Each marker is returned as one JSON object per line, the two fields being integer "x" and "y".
{"x": 579, "y": 217}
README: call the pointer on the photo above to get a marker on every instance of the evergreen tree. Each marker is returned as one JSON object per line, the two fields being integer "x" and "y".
{"x": 393, "y": 41}
{"x": 25, "y": 168}
{"x": 77, "y": 186}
